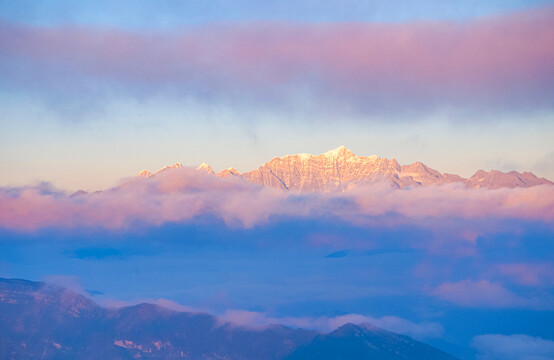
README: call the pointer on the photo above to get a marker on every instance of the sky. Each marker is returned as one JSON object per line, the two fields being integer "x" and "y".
{"x": 91, "y": 92}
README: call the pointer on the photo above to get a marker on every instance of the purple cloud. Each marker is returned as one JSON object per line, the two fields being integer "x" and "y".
{"x": 481, "y": 293}
{"x": 495, "y": 62}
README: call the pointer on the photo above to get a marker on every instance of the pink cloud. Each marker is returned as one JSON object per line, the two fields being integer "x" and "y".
{"x": 541, "y": 274}
{"x": 456, "y": 200}
{"x": 181, "y": 195}
{"x": 478, "y": 294}
{"x": 255, "y": 319}
{"x": 505, "y": 60}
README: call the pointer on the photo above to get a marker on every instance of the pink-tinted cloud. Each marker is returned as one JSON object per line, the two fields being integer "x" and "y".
{"x": 478, "y": 294}
{"x": 456, "y": 200}
{"x": 255, "y": 319}
{"x": 498, "y": 61}
{"x": 181, "y": 195}
{"x": 541, "y": 274}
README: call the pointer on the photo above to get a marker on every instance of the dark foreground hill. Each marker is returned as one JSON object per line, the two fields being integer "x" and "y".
{"x": 41, "y": 321}
{"x": 365, "y": 341}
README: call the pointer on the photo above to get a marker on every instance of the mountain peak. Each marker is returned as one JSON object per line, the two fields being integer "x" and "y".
{"x": 347, "y": 329}
{"x": 341, "y": 151}
{"x": 340, "y": 169}
{"x": 228, "y": 172}
{"x": 144, "y": 173}
{"x": 352, "y": 341}
{"x": 177, "y": 165}
{"x": 205, "y": 167}
{"x": 495, "y": 179}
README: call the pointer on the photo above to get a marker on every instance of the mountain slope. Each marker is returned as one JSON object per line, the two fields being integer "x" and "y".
{"x": 38, "y": 320}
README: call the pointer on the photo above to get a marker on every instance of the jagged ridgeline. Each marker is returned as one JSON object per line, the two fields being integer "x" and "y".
{"x": 341, "y": 169}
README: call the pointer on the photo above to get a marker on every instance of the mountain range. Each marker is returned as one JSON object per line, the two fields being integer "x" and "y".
{"x": 43, "y": 321}
{"x": 340, "y": 169}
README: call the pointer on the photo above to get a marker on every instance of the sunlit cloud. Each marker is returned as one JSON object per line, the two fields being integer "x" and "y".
{"x": 183, "y": 195}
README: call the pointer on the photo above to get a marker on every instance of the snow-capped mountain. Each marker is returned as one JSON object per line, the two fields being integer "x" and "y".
{"x": 340, "y": 169}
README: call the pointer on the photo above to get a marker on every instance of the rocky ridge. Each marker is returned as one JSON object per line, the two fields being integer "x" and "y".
{"x": 340, "y": 169}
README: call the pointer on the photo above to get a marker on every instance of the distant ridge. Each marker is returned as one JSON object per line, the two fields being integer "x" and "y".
{"x": 42, "y": 321}
{"x": 340, "y": 169}
{"x": 365, "y": 341}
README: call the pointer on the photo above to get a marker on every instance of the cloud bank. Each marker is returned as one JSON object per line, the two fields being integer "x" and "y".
{"x": 326, "y": 324}
{"x": 185, "y": 195}
{"x": 502, "y": 62}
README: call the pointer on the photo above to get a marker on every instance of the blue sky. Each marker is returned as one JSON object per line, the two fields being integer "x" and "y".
{"x": 149, "y": 15}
